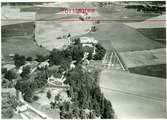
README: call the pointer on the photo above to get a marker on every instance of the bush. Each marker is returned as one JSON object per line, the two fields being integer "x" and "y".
{"x": 10, "y": 75}
{"x": 29, "y": 59}
{"x": 41, "y": 58}
{"x": 100, "y": 52}
{"x": 48, "y": 94}
{"x": 7, "y": 113}
{"x": 4, "y": 70}
{"x": 26, "y": 72}
{"x": 35, "y": 98}
{"x": 19, "y": 60}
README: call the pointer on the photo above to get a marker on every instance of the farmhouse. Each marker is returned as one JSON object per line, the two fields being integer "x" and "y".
{"x": 88, "y": 40}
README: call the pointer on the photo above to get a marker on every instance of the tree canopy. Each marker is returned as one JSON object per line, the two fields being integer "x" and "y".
{"x": 86, "y": 93}
{"x": 19, "y": 60}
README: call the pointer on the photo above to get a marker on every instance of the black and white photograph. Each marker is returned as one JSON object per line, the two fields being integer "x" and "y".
{"x": 83, "y": 60}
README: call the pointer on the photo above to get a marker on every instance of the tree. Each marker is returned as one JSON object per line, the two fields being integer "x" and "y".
{"x": 12, "y": 101}
{"x": 41, "y": 58}
{"x": 8, "y": 106}
{"x": 29, "y": 59}
{"x": 89, "y": 56}
{"x": 48, "y": 94}
{"x": 100, "y": 52}
{"x": 28, "y": 95}
{"x": 4, "y": 70}
{"x": 77, "y": 53}
{"x": 26, "y": 90}
{"x": 7, "y": 113}
{"x": 88, "y": 50}
{"x": 108, "y": 111}
{"x": 35, "y": 98}
{"x": 10, "y": 75}
{"x": 93, "y": 29}
{"x": 26, "y": 72}
{"x": 86, "y": 93}
{"x": 57, "y": 97}
{"x": 19, "y": 60}
{"x": 56, "y": 57}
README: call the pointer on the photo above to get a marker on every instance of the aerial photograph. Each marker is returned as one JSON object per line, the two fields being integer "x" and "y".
{"x": 83, "y": 60}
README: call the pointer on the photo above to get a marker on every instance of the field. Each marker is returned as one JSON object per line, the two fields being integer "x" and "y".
{"x": 134, "y": 96}
{"x": 47, "y": 32}
{"x": 150, "y": 70}
{"x": 145, "y": 57}
{"x": 119, "y": 13}
{"x": 41, "y": 9}
{"x": 157, "y": 34}
{"x": 122, "y": 37}
{"x": 17, "y": 39}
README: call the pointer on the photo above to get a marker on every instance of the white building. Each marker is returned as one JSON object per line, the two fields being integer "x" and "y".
{"x": 88, "y": 40}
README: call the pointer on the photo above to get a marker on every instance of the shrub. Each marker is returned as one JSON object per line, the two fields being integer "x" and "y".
{"x": 35, "y": 97}
{"x": 10, "y": 75}
{"x": 29, "y": 59}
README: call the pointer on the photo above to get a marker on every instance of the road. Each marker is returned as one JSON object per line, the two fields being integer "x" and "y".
{"x": 30, "y": 115}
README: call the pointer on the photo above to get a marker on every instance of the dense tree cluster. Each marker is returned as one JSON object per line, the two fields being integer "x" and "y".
{"x": 27, "y": 85}
{"x": 88, "y": 50}
{"x": 63, "y": 57}
{"x": 29, "y": 59}
{"x": 9, "y": 104}
{"x": 41, "y": 58}
{"x": 25, "y": 73}
{"x": 10, "y": 75}
{"x": 56, "y": 57}
{"x": 19, "y": 60}
{"x": 100, "y": 52}
{"x": 86, "y": 94}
